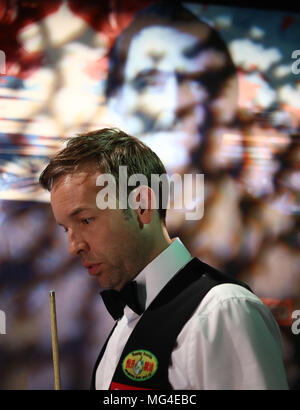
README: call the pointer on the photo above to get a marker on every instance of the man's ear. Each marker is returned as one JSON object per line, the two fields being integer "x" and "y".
{"x": 145, "y": 203}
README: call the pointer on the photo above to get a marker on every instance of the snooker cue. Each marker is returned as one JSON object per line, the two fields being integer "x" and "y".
{"x": 55, "y": 354}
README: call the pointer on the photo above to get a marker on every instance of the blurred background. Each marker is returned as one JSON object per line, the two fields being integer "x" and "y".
{"x": 213, "y": 89}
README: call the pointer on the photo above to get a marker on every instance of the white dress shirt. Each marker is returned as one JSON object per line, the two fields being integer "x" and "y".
{"x": 231, "y": 341}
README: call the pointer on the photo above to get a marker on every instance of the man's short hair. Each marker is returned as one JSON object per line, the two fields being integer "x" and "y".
{"x": 107, "y": 149}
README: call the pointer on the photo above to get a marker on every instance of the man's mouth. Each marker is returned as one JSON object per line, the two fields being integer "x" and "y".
{"x": 92, "y": 268}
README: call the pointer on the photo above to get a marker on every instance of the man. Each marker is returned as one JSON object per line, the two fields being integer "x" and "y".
{"x": 171, "y": 80}
{"x": 185, "y": 325}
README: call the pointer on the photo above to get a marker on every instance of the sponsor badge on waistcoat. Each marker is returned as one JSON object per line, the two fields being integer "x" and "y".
{"x": 140, "y": 365}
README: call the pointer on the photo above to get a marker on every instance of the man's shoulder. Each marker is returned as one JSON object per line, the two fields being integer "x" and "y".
{"x": 211, "y": 276}
{"x": 228, "y": 296}
{"x": 230, "y": 291}
{"x": 222, "y": 288}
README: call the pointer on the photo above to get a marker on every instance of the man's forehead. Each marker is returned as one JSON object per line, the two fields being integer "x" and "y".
{"x": 163, "y": 48}
{"x": 81, "y": 181}
{"x": 80, "y": 177}
{"x": 73, "y": 191}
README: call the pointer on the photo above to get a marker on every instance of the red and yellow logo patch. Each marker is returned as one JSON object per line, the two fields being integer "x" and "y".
{"x": 140, "y": 365}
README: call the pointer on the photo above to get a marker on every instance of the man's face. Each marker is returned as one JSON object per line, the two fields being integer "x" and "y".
{"x": 105, "y": 241}
{"x": 162, "y": 100}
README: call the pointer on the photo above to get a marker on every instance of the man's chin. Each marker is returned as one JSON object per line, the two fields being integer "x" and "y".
{"x": 104, "y": 282}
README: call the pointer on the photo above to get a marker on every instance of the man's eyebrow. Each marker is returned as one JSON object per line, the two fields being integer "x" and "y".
{"x": 75, "y": 212}
{"x": 146, "y": 72}
{"x": 194, "y": 50}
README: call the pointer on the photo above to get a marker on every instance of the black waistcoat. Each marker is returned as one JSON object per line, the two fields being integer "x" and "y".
{"x": 145, "y": 359}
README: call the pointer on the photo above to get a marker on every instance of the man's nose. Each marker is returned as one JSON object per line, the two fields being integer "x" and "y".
{"x": 189, "y": 95}
{"x": 181, "y": 97}
{"x": 76, "y": 244}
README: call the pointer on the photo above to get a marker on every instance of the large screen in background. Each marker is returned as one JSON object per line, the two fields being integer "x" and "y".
{"x": 212, "y": 89}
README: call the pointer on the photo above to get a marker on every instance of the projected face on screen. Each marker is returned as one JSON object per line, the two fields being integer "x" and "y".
{"x": 162, "y": 92}
{"x": 168, "y": 89}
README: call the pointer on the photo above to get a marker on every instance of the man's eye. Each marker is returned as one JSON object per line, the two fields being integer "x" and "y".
{"x": 141, "y": 83}
{"x": 61, "y": 226}
{"x": 86, "y": 221}
{"x": 151, "y": 79}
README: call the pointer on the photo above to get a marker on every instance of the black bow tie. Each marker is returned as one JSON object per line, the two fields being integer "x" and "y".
{"x": 115, "y": 301}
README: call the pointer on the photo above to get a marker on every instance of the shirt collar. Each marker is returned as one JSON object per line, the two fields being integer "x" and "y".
{"x": 159, "y": 272}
